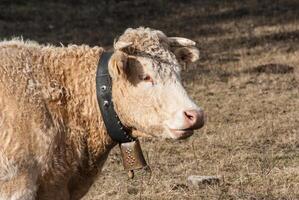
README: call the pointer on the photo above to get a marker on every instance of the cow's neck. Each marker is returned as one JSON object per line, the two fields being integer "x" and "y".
{"x": 77, "y": 71}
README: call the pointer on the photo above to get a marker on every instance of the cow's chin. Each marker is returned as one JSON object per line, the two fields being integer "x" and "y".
{"x": 176, "y": 134}
{"x": 179, "y": 134}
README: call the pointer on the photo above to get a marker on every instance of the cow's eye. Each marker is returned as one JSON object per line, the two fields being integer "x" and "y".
{"x": 146, "y": 78}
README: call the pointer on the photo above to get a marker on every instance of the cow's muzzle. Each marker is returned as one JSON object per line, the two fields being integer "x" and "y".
{"x": 194, "y": 119}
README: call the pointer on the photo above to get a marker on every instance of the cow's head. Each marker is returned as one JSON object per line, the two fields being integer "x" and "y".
{"x": 147, "y": 91}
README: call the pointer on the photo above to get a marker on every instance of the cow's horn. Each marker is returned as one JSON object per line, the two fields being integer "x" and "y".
{"x": 121, "y": 45}
{"x": 179, "y": 41}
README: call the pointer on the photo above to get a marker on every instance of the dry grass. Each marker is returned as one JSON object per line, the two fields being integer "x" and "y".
{"x": 247, "y": 81}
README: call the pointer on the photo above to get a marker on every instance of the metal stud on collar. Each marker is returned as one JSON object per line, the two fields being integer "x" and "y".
{"x": 106, "y": 104}
{"x": 103, "y": 87}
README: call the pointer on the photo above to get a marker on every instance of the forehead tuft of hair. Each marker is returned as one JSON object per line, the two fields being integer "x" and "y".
{"x": 146, "y": 41}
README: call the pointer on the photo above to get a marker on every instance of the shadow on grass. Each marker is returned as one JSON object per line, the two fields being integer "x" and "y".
{"x": 270, "y": 68}
{"x": 224, "y": 75}
{"x": 99, "y": 22}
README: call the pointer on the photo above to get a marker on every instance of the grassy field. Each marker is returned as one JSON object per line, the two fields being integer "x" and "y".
{"x": 247, "y": 80}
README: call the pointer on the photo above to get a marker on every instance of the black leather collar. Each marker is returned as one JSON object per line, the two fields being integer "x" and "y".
{"x": 115, "y": 128}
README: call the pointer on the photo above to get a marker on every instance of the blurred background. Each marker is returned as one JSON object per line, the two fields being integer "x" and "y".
{"x": 246, "y": 80}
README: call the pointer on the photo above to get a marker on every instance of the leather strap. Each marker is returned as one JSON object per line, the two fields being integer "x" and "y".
{"x": 115, "y": 128}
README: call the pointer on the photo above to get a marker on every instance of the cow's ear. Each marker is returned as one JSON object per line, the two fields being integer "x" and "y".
{"x": 186, "y": 54}
{"x": 118, "y": 65}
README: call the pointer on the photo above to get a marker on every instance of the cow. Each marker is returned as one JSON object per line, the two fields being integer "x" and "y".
{"x": 53, "y": 141}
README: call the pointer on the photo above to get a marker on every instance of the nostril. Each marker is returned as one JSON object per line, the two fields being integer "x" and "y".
{"x": 194, "y": 118}
{"x": 189, "y": 115}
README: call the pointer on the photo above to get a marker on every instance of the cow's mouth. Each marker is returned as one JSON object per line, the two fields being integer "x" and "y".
{"x": 182, "y": 133}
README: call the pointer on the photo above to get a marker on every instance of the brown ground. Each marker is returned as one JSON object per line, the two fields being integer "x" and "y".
{"x": 247, "y": 80}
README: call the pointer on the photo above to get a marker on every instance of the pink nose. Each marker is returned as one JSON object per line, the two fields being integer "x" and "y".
{"x": 194, "y": 119}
